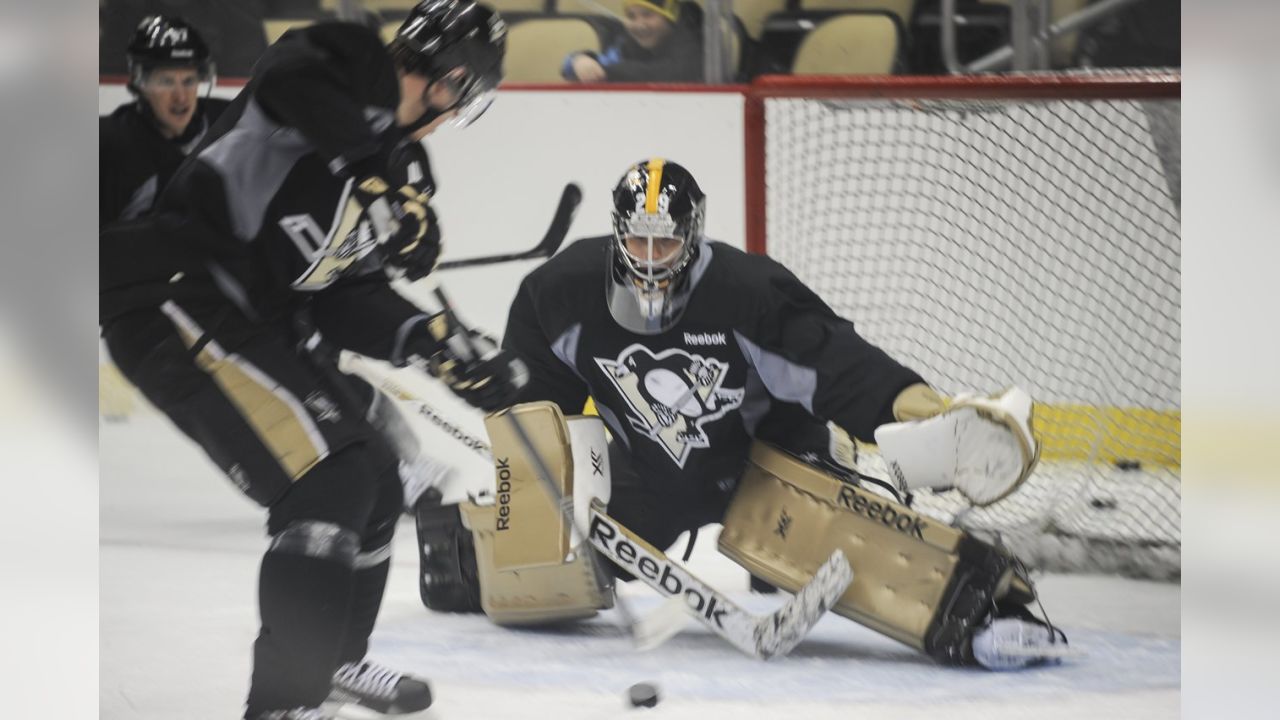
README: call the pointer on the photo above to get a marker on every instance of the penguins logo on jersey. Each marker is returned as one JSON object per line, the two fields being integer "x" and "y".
{"x": 672, "y": 395}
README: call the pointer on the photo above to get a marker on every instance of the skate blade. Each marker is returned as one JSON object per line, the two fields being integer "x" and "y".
{"x": 354, "y": 711}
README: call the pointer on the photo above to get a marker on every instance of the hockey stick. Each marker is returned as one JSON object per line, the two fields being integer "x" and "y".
{"x": 551, "y": 241}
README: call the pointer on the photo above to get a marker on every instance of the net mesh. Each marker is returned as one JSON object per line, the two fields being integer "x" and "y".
{"x": 988, "y": 243}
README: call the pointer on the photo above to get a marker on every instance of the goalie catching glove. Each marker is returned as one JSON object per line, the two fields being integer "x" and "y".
{"x": 982, "y": 446}
{"x": 469, "y": 362}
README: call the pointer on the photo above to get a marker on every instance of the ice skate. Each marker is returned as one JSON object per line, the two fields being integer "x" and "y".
{"x": 377, "y": 688}
{"x": 1014, "y": 643}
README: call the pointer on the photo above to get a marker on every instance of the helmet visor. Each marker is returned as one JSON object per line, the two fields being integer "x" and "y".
{"x": 470, "y": 109}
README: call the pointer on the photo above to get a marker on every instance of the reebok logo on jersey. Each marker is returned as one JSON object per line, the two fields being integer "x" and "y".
{"x": 716, "y": 338}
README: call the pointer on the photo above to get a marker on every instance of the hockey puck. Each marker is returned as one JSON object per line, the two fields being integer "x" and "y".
{"x": 643, "y": 695}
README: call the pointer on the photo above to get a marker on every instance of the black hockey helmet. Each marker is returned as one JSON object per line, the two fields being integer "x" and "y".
{"x": 165, "y": 41}
{"x": 441, "y": 36}
{"x": 658, "y": 212}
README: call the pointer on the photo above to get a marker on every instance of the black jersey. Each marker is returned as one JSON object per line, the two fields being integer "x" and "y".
{"x": 755, "y": 354}
{"x": 258, "y": 215}
{"x": 135, "y": 161}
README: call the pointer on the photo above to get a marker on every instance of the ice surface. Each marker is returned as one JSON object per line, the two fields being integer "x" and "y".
{"x": 179, "y": 561}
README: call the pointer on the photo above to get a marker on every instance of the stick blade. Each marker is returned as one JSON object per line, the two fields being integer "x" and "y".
{"x": 566, "y": 210}
{"x": 780, "y": 632}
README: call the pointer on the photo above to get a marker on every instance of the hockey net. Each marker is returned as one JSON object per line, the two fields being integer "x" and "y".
{"x": 991, "y": 232}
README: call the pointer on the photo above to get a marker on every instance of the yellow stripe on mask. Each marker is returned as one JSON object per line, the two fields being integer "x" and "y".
{"x": 655, "y": 184}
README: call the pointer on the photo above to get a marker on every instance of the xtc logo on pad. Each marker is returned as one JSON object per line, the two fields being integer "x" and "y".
{"x": 672, "y": 395}
{"x": 784, "y": 524}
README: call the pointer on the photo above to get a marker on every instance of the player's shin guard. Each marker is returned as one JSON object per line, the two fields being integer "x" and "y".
{"x": 304, "y": 597}
{"x": 372, "y": 565}
{"x": 367, "y": 587}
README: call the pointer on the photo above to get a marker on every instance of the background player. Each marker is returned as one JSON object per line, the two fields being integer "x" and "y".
{"x": 142, "y": 142}
{"x": 302, "y": 201}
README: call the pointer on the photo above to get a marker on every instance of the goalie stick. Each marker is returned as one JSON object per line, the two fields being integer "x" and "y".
{"x": 570, "y": 197}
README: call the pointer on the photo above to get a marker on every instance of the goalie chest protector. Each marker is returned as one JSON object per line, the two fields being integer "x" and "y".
{"x": 915, "y": 579}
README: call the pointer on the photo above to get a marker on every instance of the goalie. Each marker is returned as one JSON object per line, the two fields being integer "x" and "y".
{"x": 716, "y": 373}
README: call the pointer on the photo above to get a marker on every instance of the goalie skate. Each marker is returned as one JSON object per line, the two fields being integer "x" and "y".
{"x": 1014, "y": 643}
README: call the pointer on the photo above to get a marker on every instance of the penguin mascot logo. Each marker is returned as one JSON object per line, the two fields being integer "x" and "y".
{"x": 672, "y": 395}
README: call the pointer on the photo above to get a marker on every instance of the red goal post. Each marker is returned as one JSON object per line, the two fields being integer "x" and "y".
{"x": 990, "y": 231}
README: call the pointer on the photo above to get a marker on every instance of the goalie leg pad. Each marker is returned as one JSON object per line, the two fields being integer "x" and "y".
{"x": 529, "y": 529}
{"x": 523, "y": 542}
{"x": 916, "y": 580}
{"x": 532, "y": 595}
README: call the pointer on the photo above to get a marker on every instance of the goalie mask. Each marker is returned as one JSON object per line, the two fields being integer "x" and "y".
{"x": 658, "y": 213}
{"x": 457, "y": 42}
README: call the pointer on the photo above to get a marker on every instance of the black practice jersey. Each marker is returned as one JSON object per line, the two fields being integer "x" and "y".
{"x": 135, "y": 161}
{"x": 261, "y": 213}
{"x": 755, "y": 354}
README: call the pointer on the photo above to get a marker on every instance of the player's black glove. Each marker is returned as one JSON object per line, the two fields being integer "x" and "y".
{"x": 487, "y": 377}
{"x": 417, "y": 261}
{"x": 404, "y": 224}
{"x": 469, "y": 362}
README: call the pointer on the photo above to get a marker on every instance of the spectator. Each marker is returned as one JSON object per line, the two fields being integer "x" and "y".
{"x": 659, "y": 41}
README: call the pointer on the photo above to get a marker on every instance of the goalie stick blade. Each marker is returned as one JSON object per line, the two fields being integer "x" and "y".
{"x": 793, "y": 621}
{"x": 759, "y": 636}
{"x": 570, "y": 198}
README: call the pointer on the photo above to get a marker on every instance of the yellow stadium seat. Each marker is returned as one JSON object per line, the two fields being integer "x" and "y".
{"x": 590, "y": 7}
{"x": 901, "y": 8}
{"x": 848, "y": 45}
{"x": 751, "y": 12}
{"x": 403, "y": 6}
{"x": 388, "y": 30}
{"x": 521, "y": 6}
{"x": 537, "y": 48}
{"x": 276, "y": 27}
